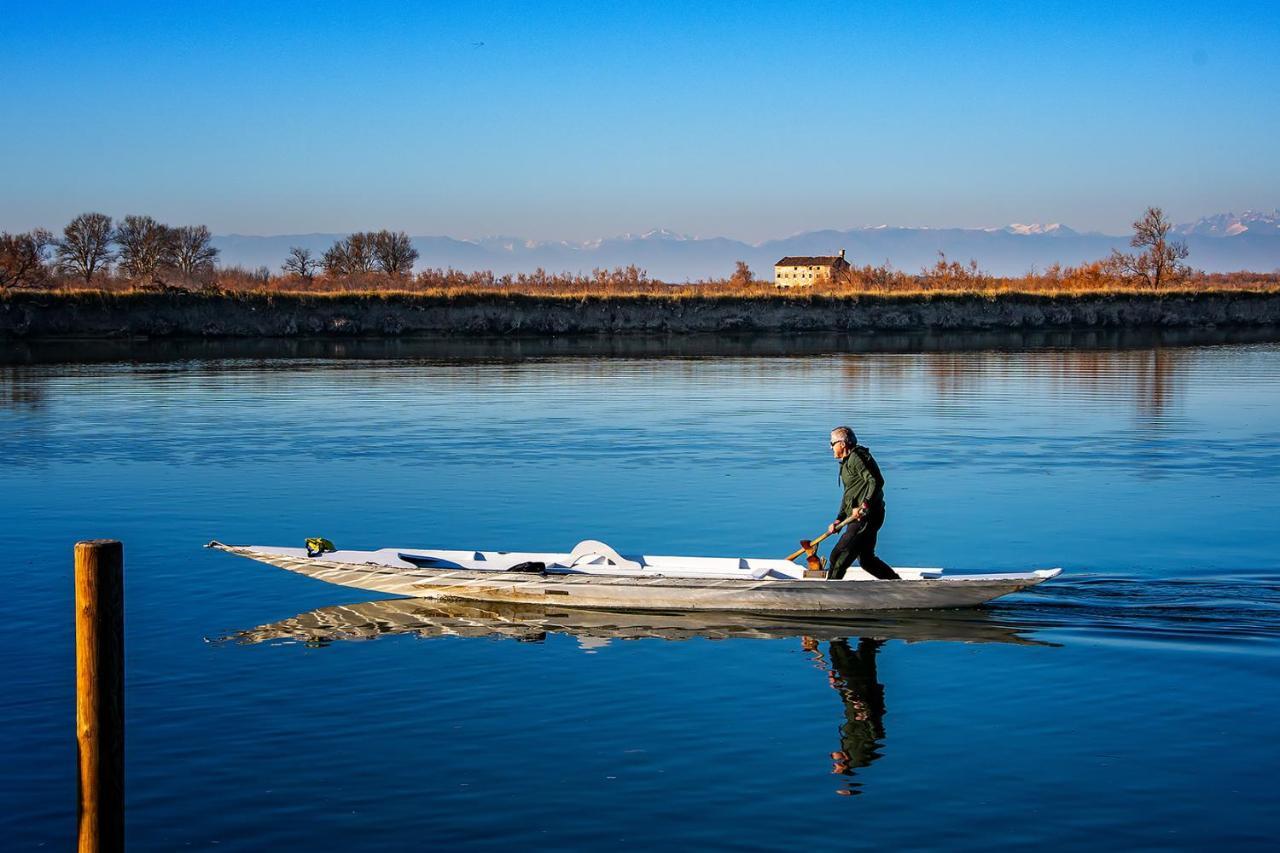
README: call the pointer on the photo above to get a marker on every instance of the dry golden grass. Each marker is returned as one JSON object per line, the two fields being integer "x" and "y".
{"x": 946, "y": 278}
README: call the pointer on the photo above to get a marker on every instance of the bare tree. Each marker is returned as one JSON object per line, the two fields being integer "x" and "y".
{"x": 193, "y": 251}
{"x": 1160, "y": 262}
{"x": 351, "y": 256}
{"x": 85, "y": 247}
{"x": 334, "y": 259}
{"x": 301, "y": 264}
{"x": 146, "y": 247}
{"x": 742, "y": 274}
{"x": 23, "y": 258}
{"x": 393, "y": 252}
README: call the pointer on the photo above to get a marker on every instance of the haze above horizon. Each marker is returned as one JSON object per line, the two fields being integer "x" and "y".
{"x": 573, "y": 122}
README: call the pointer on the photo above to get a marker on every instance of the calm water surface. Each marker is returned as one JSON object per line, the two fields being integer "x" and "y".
{"x": 1131, "y": 703}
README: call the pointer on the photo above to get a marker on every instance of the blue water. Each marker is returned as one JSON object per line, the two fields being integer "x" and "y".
{"x": 1130, "y": 703}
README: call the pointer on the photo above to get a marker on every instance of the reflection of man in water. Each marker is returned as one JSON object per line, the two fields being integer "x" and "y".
{"x": 853, "y": 675}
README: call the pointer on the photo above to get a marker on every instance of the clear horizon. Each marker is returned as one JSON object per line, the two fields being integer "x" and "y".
{"x": 575, "y": 123}
{"x": 1275, "y": 212}
{"x": 475, "y": 238}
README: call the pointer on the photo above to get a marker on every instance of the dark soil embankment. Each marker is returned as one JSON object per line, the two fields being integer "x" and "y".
{"x": 43, "y": 315}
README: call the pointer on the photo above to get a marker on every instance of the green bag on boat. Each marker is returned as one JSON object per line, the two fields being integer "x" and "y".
{"x": 317, "y": 545}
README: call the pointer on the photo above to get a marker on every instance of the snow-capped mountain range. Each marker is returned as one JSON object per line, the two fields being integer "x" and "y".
{"x": 1052, "y": 228}
{"x": 1220, "y": 243}
{"x": 1230, "y": 225}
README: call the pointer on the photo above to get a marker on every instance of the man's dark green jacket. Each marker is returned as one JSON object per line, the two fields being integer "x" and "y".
{"x": 859, "y": 483}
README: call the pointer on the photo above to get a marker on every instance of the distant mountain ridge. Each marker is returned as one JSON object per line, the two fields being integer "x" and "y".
{"x": 1054, "y": 228}
{"x": 1219, "y": 243}
{"x": 1230, "y": 225}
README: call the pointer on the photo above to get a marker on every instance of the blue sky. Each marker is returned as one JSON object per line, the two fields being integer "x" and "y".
{"x": 580, "y": 120}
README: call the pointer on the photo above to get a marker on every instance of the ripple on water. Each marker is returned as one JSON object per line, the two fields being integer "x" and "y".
{"x": 1240, "y": 611}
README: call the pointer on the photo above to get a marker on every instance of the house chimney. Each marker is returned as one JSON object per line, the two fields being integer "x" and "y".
{"x": 842, "y": 254}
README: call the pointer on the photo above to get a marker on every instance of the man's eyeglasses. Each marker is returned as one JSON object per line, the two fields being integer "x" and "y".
{"x": 838, "y": 441}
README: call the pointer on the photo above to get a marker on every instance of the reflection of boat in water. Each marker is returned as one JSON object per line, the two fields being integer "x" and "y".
{"x": 594, "y": 575}
{"x": 850, "y": 664}
{"x": 532, "y": 622}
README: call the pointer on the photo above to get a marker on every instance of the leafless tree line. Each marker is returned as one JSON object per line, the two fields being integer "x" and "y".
{"x": 142, "y": 250}
{"x": 92, "y": 245}
{"x": 359, "y": 254}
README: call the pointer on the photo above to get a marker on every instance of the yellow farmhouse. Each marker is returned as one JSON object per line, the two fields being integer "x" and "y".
{"x": 802, "y": 272}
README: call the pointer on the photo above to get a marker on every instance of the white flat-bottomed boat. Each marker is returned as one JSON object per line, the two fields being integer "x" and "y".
{"x": 594, "y": 575}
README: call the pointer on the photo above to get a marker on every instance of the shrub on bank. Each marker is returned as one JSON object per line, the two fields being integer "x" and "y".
{"x": 944, "y": 278}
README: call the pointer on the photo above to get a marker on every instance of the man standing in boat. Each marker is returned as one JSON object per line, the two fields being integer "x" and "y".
{"x": 863, "y": 502}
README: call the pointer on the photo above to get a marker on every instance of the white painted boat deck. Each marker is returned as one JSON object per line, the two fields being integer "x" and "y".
{"x": 594, "y": 575}
{"x": 560, "y": 563}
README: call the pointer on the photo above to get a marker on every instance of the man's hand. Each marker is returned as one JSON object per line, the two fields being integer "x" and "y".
{"x": 856, "y": 515}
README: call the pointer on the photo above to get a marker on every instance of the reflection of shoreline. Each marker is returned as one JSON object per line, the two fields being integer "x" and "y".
{"x": 1151, "y": 378}
{"x": 515, "y": 348}
{"x": 531, "y": 623}
{"x": 1145, "y": 367}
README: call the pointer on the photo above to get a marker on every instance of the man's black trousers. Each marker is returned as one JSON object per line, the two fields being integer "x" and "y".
{"x": 859, "y": 543}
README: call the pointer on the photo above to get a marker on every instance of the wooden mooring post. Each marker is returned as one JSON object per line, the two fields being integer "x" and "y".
{"x": 100, "y": 694}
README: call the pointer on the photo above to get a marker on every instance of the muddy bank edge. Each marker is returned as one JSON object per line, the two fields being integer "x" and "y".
{"x": 99, "y": 315}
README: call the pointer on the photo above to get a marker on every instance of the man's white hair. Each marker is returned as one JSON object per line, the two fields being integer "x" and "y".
{"x": 845, "y": 434}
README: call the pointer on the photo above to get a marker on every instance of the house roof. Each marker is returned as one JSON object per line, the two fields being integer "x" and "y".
{"x": 800, "y": 261}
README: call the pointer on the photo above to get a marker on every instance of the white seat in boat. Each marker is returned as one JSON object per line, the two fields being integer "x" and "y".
{"x": 590, "y": 551}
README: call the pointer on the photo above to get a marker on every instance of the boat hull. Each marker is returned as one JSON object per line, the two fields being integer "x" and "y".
{"x": 655, "y": 593}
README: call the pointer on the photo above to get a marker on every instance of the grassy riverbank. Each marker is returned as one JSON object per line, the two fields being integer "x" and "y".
{"x": 944, "y": 279}
{"x": 84, "y": 313}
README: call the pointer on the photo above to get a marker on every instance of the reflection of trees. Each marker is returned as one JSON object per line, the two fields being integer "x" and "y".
{"x": 1162, "y": 381}
{"x": 1151, "y": 379}
{"x": 17, "y": 393}
{"x": 864, "y": 372}
{"x": 852, "y": 674}
{"x": 955, "y": 374}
